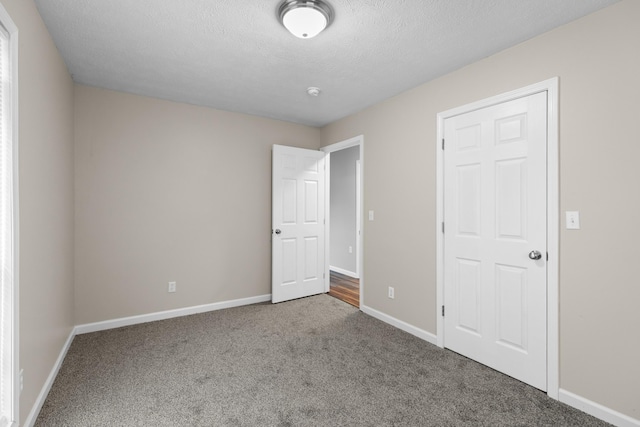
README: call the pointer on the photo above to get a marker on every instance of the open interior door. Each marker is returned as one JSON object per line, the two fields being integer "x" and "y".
{"x": 298, "y": 223}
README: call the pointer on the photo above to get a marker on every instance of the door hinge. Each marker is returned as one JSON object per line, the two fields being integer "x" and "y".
{"x": 443, "y": 227}
{"x": 547, "y": 256}
{"x": 443, "y": 143}
{"x": 443, "y": 311}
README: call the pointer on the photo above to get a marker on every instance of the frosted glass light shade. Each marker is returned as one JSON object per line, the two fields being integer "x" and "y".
{"x": 305, "y": 18}
{"x": 304, "y": 22}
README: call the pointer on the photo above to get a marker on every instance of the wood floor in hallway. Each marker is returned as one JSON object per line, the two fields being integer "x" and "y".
{"x": 345, "y": 288}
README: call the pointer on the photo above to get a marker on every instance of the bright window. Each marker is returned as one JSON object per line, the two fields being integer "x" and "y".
{"x": 8, "y": 277}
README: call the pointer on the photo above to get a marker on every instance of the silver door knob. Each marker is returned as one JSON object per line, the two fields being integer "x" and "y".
{"x": 535, "y": 255}
{"x": 278, "y": 231}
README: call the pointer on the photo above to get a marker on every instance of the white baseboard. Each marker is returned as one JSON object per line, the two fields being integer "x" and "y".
{"x": 597, "y": 410}
{"x": 592, "y": 408}
{"x": 126, "y": 321}
{"x": 343, "y": 271}
{"x": 420, "y": 333}
{"x": 37, "y": 406}
{"x": 571, "y": 399}
{"x": 162, "y": 315}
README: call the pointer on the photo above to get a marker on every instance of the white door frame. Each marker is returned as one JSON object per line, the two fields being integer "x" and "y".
{"x": 357, "y": 141}
{"x": 553, "y": 213}
{"x": 14, "y": 302}
{"x": 358, "y": 217}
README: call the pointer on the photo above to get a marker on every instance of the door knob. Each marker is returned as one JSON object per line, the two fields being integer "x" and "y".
{"x": 535, "y": 255}
{"x": 278, "y": 231}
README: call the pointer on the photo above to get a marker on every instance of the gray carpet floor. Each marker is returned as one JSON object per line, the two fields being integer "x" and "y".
{"x": 311, "y": 362}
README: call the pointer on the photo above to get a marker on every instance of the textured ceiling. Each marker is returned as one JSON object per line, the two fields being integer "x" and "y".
{"x": 235, "y": 55}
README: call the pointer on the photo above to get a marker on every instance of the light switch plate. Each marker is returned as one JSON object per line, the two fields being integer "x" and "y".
{"x": 573, "y": 220}
{"x": 370, "y": 215}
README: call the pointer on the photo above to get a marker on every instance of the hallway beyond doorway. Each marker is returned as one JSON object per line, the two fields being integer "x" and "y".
{"x": 345, "y": 288}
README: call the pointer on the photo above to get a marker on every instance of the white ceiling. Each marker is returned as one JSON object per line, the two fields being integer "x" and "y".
{"x": 236, "y": 56}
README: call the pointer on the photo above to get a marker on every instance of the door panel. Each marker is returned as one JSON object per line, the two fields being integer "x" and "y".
{"x": 469, "y": 199}
{"x": 511, "y": 310}
{"x": 468, "y": 285}
{"x": 298, "y": 237}
{"x": 495, "y": 214}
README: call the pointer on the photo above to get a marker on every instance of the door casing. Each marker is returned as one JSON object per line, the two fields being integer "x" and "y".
{"x": 351, "y": 142}
{"x": 553, "y": 206}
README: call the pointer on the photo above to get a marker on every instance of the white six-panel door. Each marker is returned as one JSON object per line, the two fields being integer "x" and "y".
{"x": 298, "y": 221}
{"x": 495, "y": 293}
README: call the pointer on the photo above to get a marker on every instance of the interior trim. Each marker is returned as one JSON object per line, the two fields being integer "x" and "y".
{"x": 351, "y": 274}
{"x": 44, "y": 392}
{"x": 356, "y": 141}
{"x": 413, "y": 330}
{"x": 169, "y": 314}
{"x": 597, "y": 410}
{"x": 126, "y": 321}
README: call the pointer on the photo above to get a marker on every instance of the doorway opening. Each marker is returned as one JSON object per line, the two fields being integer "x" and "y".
{"x": 344, "y": 219}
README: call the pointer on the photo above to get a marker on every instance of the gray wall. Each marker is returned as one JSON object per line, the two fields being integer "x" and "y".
{"x": 343, "y": 209}
{"x": 598, "y": 61}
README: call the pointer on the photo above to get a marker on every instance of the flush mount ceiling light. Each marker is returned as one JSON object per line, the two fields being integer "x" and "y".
{"x": 305, "y": 18}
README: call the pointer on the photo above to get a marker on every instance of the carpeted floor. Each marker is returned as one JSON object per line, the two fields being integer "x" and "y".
{"x": 311, "y": 362}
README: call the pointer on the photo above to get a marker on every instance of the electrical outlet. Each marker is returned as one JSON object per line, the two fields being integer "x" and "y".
{"x": 350, "y": 249}
{"x": 21, "y": 379}
{"x": 392, "y": 293}
{"x": 172, "y": 287}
